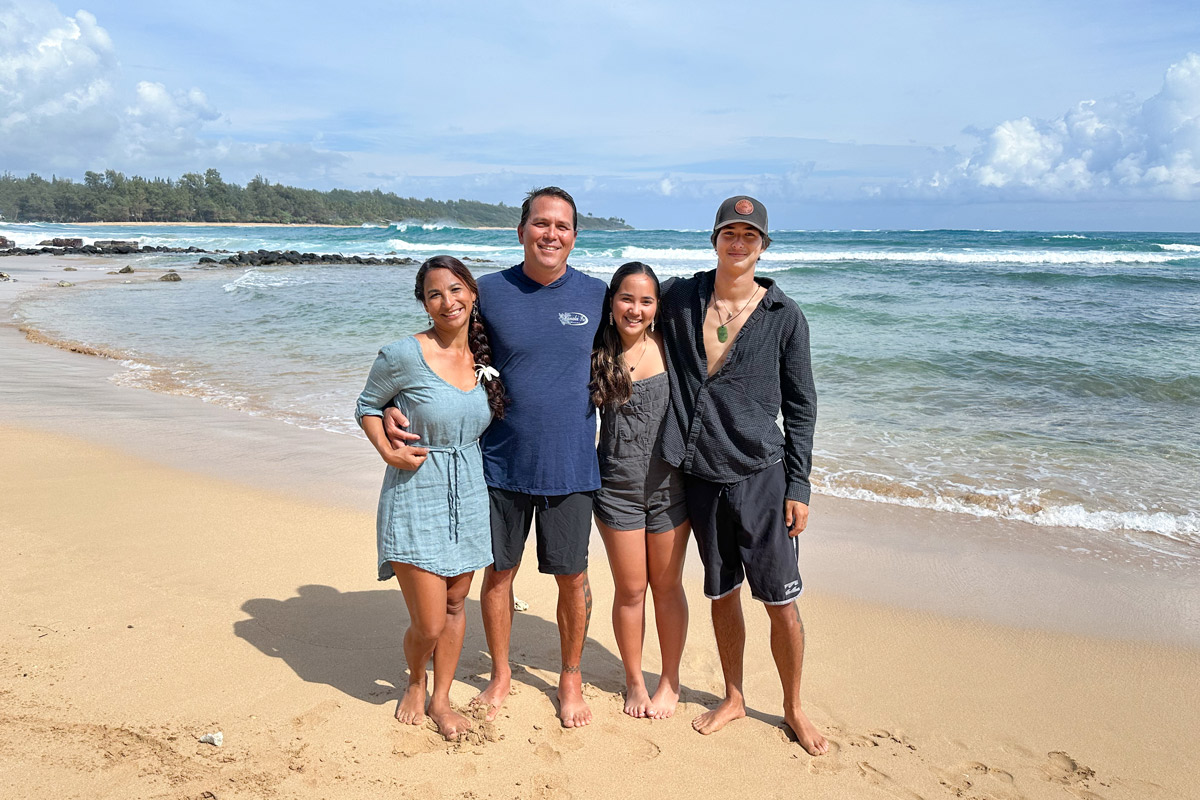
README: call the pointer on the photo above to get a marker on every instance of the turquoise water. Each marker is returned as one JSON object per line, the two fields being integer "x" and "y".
{"x": 1048, "y": 377}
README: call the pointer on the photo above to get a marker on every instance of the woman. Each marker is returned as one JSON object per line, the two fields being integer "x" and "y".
{"x": 432, "y": 525}
{"x": 640, "y": 507}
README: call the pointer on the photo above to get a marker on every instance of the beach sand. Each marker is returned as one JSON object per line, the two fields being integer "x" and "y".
{"x": 174, "y": 569}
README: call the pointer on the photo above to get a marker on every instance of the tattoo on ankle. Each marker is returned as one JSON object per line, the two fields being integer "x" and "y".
{"x": 570, "y": 669}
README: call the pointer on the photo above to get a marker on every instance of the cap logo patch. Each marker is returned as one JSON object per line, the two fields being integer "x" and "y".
{"x": 744, "y": 207}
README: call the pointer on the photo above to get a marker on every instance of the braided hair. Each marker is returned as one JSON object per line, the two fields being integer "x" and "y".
{"x": 477, "y": 338}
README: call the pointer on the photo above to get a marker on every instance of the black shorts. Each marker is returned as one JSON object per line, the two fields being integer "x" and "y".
{"x": 564, "y": 526}
{"x": 741, "y": 533}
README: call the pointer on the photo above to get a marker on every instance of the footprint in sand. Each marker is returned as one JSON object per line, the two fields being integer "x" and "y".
{"x": 1060, "y": 768}
{"x": 829, "y": 763}
{"x": 978, "y": 781}
{"x": 316, "y": 716}
{"x": 884, "y": 781}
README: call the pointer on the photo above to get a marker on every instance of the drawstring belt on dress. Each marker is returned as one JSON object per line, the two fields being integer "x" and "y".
{"x": 456, "y": 454}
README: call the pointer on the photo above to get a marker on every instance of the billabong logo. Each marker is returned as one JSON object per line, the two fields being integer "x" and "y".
{"x": 572, "y": 318}
{"x": 793, "y": 586}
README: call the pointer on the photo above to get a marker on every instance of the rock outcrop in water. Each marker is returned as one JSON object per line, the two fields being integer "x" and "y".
{"x": 266, "y": 258}
{"x": 252, "y": 258}
{"x": 96, "y": 249}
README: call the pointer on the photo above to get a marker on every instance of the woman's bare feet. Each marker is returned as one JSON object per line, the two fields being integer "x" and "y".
{"x": 637, "y": 701}
{"x": 493, "y": 695}
{"x": 411, "y": 710}
{"x": 807, "y": 734}
{"x": 662, "y": 705}
{"x": 712, "y": 721}
{"x": 450, "y": 724}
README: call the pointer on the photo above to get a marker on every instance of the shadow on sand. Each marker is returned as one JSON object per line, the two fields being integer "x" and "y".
{"x": 352, "y": 642}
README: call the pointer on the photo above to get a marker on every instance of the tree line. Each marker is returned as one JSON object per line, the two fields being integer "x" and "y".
{"x": 112, "y": 197}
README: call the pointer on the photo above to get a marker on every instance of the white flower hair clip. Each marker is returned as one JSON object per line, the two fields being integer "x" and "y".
{"x": 484, "y": 373}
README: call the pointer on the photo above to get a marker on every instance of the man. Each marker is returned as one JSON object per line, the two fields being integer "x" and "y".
{"x": 747, "y": 483}
{"x": 540, "y": 460}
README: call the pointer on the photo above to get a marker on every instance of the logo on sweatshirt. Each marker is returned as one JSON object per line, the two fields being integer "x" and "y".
{"x": 572, "y": 318}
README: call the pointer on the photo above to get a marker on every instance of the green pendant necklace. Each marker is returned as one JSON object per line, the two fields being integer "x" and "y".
{"x": 722, "y": 330}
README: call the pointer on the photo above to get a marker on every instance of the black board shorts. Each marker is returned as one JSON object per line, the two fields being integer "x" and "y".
{"x": 563, "y": 524}
{"x": 741, "y": 534}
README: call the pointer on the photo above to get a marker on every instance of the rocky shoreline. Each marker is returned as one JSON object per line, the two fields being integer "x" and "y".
{"x": 248, "y": 258}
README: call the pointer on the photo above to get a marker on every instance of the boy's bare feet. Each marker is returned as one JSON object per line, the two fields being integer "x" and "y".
{"x": 807, "y": 734}
{"x": 712, "y": 721}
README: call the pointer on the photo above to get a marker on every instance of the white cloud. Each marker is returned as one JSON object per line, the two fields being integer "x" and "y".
{"x": 66, "y": 106}
{"x": 1117, "y": 148}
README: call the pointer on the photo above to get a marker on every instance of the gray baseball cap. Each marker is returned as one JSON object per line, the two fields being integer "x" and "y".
{"x": 741, "y": 208}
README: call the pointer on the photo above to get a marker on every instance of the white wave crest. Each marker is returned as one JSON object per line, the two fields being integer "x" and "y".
{"x": 1181, "y": 248}
{"x": 260, "y": 279}
{"x": 445, "y": 247}
{"x": 1031, "y": 257}
{"x": 1183, "y": 529}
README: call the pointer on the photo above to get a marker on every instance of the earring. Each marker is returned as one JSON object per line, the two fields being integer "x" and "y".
{"x": 652, "y": 326}
{"x": 611, "y": 321}
{"x": 474, "y": 313}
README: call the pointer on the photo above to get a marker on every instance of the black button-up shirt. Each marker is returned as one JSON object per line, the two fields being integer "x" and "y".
{"x": 722, "y": 427}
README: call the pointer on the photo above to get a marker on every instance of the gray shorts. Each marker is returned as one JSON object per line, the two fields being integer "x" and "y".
{"x": 637, "y": 493}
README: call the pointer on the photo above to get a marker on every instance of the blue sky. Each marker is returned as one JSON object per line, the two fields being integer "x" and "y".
{"x": 1079, "y": 115}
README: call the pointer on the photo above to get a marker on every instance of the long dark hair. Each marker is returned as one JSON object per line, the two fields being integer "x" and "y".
{"x": 611, "y": 384}
{"x": 477, "y": 339}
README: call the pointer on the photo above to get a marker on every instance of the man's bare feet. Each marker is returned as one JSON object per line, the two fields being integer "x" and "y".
{"x": 493, "y": 695}
{"x": 806, "y": 733}
{"x": 450, "y": 724}
{"x": 662, "y": 705}
{"x": 573, "y": 710}
{"x": 411, "y": 710}
{"x": 637, "y": 701}
{"x": 712, "y": 721}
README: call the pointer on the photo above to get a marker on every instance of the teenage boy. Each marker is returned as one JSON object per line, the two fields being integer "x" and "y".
{"x": 739, "y": 355}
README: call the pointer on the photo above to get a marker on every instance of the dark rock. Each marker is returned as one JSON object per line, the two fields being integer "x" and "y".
{"x": 69, "y": 269}
{"x": 207, "y": 260}
{"x": 171, "y": 276}
{"x": 125, "y": 270}
{"x": 4, "y": 276}
{"x": 6, "y": 243}
{"x": 61, "y": 243}
{"x": 65, "y": 284}
{"x": 115, "y": 243}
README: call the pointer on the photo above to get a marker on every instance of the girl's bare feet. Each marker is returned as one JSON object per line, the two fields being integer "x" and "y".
{"x": 662, "y": 705}
{"x": 637, "y": 702}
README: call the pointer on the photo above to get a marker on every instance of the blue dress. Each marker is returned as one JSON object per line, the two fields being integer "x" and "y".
{"x": 437, "y": 516}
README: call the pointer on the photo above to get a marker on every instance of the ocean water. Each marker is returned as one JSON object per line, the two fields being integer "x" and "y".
{"x": 1047, "y": 377}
